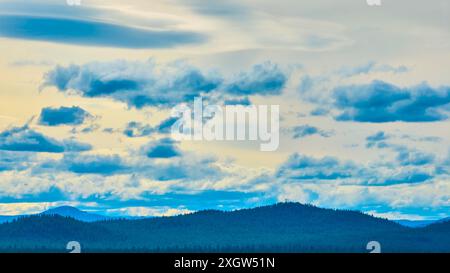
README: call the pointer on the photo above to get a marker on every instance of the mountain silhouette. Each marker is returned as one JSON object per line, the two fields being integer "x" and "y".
{"x": 67, "y": 211}
{"x": 284, "y": 227}
{"x": 415, "y": 223}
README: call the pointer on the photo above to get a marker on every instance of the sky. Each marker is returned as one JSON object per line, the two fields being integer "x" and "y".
{"x": 86, "y": 93}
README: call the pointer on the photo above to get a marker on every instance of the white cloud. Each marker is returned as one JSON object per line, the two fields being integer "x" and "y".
{"x": 148, "y": 211}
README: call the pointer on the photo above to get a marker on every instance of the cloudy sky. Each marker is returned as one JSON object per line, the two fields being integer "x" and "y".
{"x": 86, "y": 93}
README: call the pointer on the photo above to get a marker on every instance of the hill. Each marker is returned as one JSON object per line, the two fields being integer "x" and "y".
{"x": 415, "y": 223}
{"x": 284, "y": 227}
{"x": 67, "y": 211}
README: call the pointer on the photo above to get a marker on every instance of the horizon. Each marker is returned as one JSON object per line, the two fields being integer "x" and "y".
{"x": 130, "y": 217}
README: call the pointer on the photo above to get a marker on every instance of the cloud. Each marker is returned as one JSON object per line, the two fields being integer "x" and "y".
{"x": 304, "y": 169}
{"x": 144, "y": 164}
{"x": 434, "y": 139}
{"x": 14, "y": 161}
{"x": 165, "y": 126}
{"x": 94, "y": 164}
{"x": 319, "y": 111}
{"x": 159, "y": 160}
{"x": 413, "y": 157}
{"x": 405, "y": 155}
{"x": 183, "y": 168}
{"x": 126, "y": 175}
{"x": 24, "y": 139}
{"x": 62, "y": 116}
{"x": 263, "y": 79}
{"x": 375, "y": 102}
{"x": 148, "y": 211}
{"x": 163, "y": 148}
{"x": 378, "y": 140}
{"x": 371, "y": 67}
{"x": 71, "y": 145}
{"x": 444, "y": 167}
{"x": 86, "y": 129}
{"x": 409, "y": 177}
{"x": 308, "y": 130}
{"x": 138, "y": 84}
{"x": 141, "y": 84}
{"x": 92, "y": 33}
{"x": 300, "y": 167}
{"x": 241, "y": 101}
{"x": 380, "y": 102}
{"x": 218, "y": 8}
{"x": 137, "y": 129}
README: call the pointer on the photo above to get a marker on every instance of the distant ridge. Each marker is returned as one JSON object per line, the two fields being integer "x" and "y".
{"x": 283, "y": 227}
{"x": 420, "y": 223}
{"x": 67, "y": 211}
{"x": 415, "y": 223}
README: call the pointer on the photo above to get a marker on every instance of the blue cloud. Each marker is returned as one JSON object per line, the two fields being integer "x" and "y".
{"x": 181, "y": 167}
{"x": 383, "y": 102}
{"x": 71, "y": 145}
{"x": 410, "y": 177}
{"x": 100, "y": 88}
{"x": 405, "y": 156}
{"x": 13, "y": 161}
{"x": 138, "y": 84}
{"x": 263, "y": 79}
{"x": 300, "y": 167}
{"x": 306, "y": 84}
{"x": 92, "y": 33}
{"x": 305, "y": 169}
{"x": 164, "y": 148}
{"x": 320, "y": 111}
{"x": 377, "y": 140}
{"x": 94, "y": 164}
{"x": 141, "y": 84}
{"x": 137, "y": 129}
{"x": 308, "y": 130}
{"x": 87, "y": 129}
{"x": 379, "y": 136}
{"x": 109, "y": 130}
{"x": 434, "y": 139}
{"x": 23, "y": 139}
{"x": 413, "y": 157}
{"x": 166, "y": 125}
{"x": 371, "y": 67}
{"x": 219, "y": 8}
{"x": 62, "y": 116}
{"x": 241, "y": 101}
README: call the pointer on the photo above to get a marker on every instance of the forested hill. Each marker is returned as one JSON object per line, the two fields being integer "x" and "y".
{"x": 284, "y": 227}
